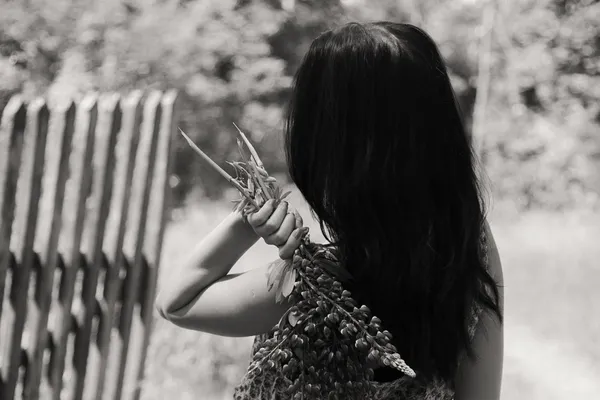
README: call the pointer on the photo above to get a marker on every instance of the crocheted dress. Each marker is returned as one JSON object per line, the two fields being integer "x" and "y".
{"x": 270, "y": 384}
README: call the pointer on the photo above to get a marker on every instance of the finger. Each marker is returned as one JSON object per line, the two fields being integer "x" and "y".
{"x": 274, "y": 222}
{"x": 281, "y": 235}
{"x": 262, "y": 215}
{"x": 299, "y": 222}
{"x": 287, "y": 250}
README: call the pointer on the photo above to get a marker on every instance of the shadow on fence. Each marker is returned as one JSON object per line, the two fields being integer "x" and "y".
{"x": 83, "y": 194}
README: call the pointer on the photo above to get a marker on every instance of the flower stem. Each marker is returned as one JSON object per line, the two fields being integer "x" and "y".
{"x": 220, "y": 170}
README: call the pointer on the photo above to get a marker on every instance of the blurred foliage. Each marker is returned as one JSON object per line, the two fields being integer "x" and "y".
{"x": 233, "y": 61}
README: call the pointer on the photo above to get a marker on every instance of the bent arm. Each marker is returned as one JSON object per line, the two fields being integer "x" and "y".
{"x": 235, "y": 305}
{"x": 210, "y": 261}
{"x": 201, "y": 294}
{"x": 481, "y": 378}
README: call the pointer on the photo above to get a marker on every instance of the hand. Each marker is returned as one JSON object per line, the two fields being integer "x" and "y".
{"x": 279, "y": 226}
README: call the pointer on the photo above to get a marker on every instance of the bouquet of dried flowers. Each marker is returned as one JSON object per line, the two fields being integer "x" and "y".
{"x": 325, "y": 345}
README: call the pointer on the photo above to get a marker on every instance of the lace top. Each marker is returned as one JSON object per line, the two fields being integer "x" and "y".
{"x": 270, "y": 384}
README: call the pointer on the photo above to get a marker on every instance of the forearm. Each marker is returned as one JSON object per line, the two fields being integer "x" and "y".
{"x": 209, "y": 261}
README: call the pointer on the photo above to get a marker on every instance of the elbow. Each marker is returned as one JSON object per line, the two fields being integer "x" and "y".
{"x": 170, "y": 310}
{"x": 163, "y": 308}
{"x": 160, "y": 310}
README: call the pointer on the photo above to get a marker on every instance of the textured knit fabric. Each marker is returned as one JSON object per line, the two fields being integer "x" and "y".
{"x": 270, "y": 384}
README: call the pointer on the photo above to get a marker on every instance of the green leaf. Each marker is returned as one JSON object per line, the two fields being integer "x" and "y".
{"x": 276, "y": 192}
{"x": 286, "y": 194}
{"x": 289, "y": 281}
{"x": 282, "y": 276}
{"x": 275, "y": 272}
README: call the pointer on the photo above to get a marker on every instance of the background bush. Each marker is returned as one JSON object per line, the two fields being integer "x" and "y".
{"x": 233, "y": 61}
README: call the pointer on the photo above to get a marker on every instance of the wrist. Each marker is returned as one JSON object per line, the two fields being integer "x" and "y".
{"x": 240, "y": 225}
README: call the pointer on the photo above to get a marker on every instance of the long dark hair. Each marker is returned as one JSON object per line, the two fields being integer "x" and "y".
{"x": 376, "y": 144}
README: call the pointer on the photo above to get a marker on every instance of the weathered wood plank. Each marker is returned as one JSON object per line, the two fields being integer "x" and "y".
{"x": 22, "y": 241}
{"x": 115, "y": 234}
{"x": 79, "y": 182}
{"x": 155, "y": 226}
{"x": 109, "y": 123}
{"x": 134, "y": 238}
{"x": 11, "y": 143}
{"x": 56, "y": 172}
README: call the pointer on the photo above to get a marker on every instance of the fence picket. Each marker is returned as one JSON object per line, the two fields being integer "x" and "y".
{"x": 134, "y": 241}
{"x": 69, "y": 245}
{"x": 22, "y": 243}
{"x": 83, "y": 199}
{"x": 109, "y": 123}
{"x": 113, "y": 242}
{"x": 159, "y": 199}
{"x": 12, "y": 129}
{"x": 57, "y": 170}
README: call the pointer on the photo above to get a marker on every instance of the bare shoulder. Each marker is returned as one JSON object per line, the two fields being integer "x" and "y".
{"x": 481, "y": 378}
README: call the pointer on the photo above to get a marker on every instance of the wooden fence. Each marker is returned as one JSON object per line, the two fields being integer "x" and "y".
{"x": 83, "y": 194}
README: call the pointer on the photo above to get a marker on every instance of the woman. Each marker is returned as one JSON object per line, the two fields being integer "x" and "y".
{"x": 376, "y": 145}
